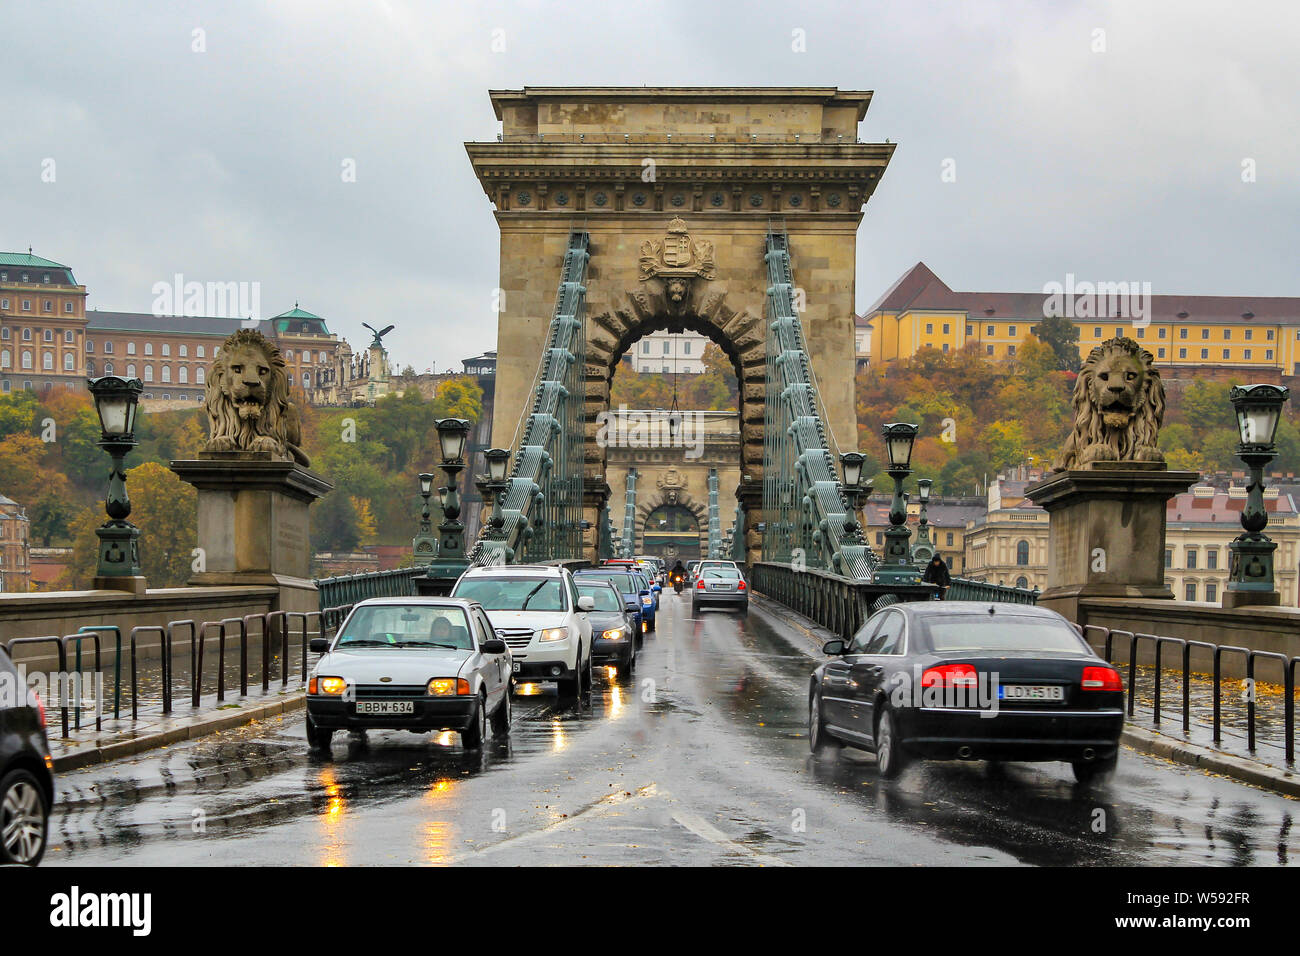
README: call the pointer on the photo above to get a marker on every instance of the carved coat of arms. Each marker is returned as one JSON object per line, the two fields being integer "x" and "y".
{"x": 677, "y": 256}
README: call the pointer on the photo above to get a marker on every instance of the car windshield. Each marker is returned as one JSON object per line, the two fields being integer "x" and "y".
{"x": 606, "y": 599}
{"x": 721, "y": 572}
{"x": 514, "y": 594}
{"x": 624, "y": 582}
{"x": 999, "y": 632}
{"x": 407, "y": 625}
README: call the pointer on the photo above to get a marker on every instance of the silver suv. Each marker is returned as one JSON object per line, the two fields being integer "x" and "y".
{"x": 537, "y": 611}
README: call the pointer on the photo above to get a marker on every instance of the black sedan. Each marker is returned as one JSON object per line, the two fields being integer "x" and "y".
{"x": 614, "y": 629}
{"x": 958, "y": 680}
{"x": 26, "y": 780}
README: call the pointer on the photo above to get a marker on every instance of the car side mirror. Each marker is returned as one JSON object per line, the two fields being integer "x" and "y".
{"x": 493, "y": 646}
{"x": 586, "y": 603}
{"x": 833, "y": 648}
{"x": 319, "y": 645}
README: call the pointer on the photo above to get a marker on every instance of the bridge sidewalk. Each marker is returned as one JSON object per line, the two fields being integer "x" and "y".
{"x": 1266, "y": 767}
{"x": 124, "y": 737}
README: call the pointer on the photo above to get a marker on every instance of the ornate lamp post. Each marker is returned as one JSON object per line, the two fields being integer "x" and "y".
{"x": 424, "y": 544}
{"x": 923, "y": 551}
{"x": 1250, "y": 555}
{"x": 450, "y": 562}
{"x": 116, "y": 402}
{"x": 851, "y": 466}
{"x": 492, "y": 487}
{"x": 896, "y": 565}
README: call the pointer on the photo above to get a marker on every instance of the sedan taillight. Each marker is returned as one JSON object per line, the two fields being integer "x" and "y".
{"x": 740, "y": 586}
{"x": 949, "y": 675}
{"x": 701, "y": 584}
{"x": 1101, "y": 678}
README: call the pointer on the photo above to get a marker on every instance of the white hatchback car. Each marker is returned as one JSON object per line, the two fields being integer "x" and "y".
{"x": 537, "y": 610}
{"x": 411, "y": 663}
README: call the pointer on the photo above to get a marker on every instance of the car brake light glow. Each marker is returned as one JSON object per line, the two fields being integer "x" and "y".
{"x": 949, "y": 675}
{"x": 701, "y": 584}
{"x": 740, "y": 586}
{"x": 1101, "y": 678}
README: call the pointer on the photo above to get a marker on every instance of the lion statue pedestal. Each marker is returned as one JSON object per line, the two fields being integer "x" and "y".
{"x": 252, "y": 477}
{"x": 1111, "y": 485}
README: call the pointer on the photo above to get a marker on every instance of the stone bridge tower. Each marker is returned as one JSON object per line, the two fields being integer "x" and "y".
{"x": 677, "y": 188}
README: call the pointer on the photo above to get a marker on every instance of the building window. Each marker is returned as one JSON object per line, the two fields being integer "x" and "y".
{"x": 1011, "y": 350}
{"x": 1022, "y": 553}
{"x": 1182, "y": 333}
{"x": 148, "y": 348}
{"x": 5, "y": 359}
{"x": 1162, "y": 353}
{"x": 199, "y": 374}
{"x": 323, "y": 358}
{"x": 183, "y": 374}
{"x": 130, "y": 370}
{"x": 68, "y": 336}
{"x": 990, "y": 332}
{"x": 1160, "y": 332}
{"x": 645, "y": 348}
{"x": 166, "y": 350}
{"x": 945, "y": 346}
{"x": 1096, "y": 333}
{"x": 1245, "y": 353}
{"x": 67, "y": 362}
{"x": 67, "y": 307}
{"x": 970, "y": 329}
{"x": 1211, "y": 591}
{"x": 27, "y": 360}
{"x": 130, "y": 348}
{"x": 1268, "y": 334}
{"x": 1182, "y": 353}
{"x": 686, "y": 349}
{"x": 929, "y": 328}
{"x": 184, "y": 351}
{"x": 47, "y": 335}
{"x": 1011, "y": 331}
{"x": 306, "y": 379}
{"x": 90, "y": 346}
{"x": 988, "y": 349}
{"x": 4, "y": 304}
{"x": 167, "y": 374}
{"x": 47, "y": 361}
{"x": 198, "y": 350}
{"x": 4, "y": 333}
{"x": 1141, "y": 333}
{"x": 291, "y": 379}
{"x": 1169, "y": 557}
{"x": 1205, "y": 353}
{"x": 90, "y": 367}
{"x": 1191, "y": 591}
{"x": 27, "y": 335}
{"x": 880, "y": 538}
{"x": 1268, "y": 355}
{"x": 1191, "y": 559}
{"x": 27, "y": 305}
{"x": 1212, "y": 558}
{"x": 1022, "y": 582}
{"x": 949, "y": 539}
{"x": 947, "y": 328}
{"x": 108, "y": 348}
{"x": 1205, "y": 333}
{"x": 1227, "y": 353}
{"x": 108, "y": 368}
{"x": 1249, "y": 333}
{"x": 1227, "y": 335}
{"x": 148, "y": 373}
{"x": 48, "y": 305}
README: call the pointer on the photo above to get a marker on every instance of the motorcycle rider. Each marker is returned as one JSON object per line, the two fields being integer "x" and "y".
{"x": 678, "y": 575}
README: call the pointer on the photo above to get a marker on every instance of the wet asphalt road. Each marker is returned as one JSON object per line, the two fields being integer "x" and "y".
{"x": 700, "y": 758}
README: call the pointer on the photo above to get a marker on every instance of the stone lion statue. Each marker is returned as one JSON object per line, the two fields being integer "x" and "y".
{"x": 247, "y": 400}
{"x": 1119, "y": 405}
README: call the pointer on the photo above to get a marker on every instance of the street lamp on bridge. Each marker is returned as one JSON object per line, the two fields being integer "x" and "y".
{"x": 425, "y": 544}
{"x": 450, "y": 562}
{"x": 896, "y": 566}
{"x": 1250, "y": 555}
{"x": 116, "y": 403}
{"x": 923, "y": 551}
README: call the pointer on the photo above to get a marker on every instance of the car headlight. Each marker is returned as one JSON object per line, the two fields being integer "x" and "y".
{"x": 614, "y": 634}
{"x": 333, "y": 686}
{"x": 553, "y": 634}
{"x": 648, "y": 599}
{"x": 447, "y": 687}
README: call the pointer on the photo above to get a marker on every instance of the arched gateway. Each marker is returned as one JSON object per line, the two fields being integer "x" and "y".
{"x": 676, "y": 191}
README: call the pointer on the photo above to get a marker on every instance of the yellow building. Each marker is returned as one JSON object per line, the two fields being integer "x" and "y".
{"x": 1240, "y": 332}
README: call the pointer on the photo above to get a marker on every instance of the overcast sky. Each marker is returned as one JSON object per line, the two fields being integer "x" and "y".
{"x": 225, "y": 165}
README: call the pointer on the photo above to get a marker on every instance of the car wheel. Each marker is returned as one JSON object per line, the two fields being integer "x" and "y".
{"x": 630, "y": 664}
{"x": 24, "y": 819}
{"x": 318, "y": 737}
{"x": 1095, "y": 771}
{"x": 890, "y": 758}
{"x": 501, "y": 719}
{"x": 818, "y": 740}
{"x": 471, "y": 738}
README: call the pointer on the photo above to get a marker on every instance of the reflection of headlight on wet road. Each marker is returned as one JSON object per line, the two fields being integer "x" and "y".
{"x": 527, "y": 690}
{"x": 558, "y": 740}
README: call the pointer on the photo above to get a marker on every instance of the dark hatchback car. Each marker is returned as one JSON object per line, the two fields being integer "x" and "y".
{"x": 614, "y": 628}
{"x": 637, "y": 597}
{"x": 26, "y": 777}
{"x": 958, "y": 680}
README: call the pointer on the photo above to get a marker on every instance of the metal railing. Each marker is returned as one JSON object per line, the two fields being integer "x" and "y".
{"x": 1133, "y": 641}
{"x": 837, "y": 603}
{"x": 964, "y": 589}
{"x": 72, "y": 699}
{"x": 351, "y": 588}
